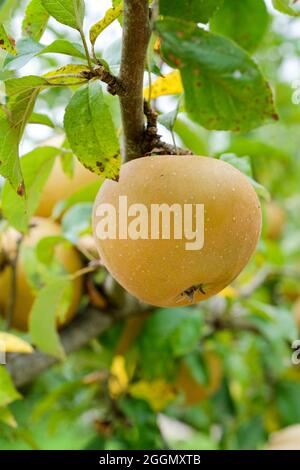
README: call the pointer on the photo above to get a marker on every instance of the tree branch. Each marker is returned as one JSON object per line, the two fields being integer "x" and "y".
{"x": 152, "y": 143}
{"x": 90, "y": 324}
{"x": 136, "y": 35}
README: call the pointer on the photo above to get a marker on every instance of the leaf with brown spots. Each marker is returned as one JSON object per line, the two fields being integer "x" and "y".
{"x": 224, "y": 89}
{"x": 91, "y": 132}
{"x": 9, "y": 152}
{"x": 6, "y": 42}
{"x": 110, "y": 16}
{"x": 235, "y": 20}
{"x": 197, "y": 11}
{"x": 35, "y": 20}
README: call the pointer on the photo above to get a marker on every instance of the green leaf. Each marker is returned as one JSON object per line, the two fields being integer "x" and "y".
{"x": 197, "y": 365}
{"x": 91, "y": 132}
{"x": 168, "y": 120}
{"x": 9, "y": 153}
{"x": 241, "y": 163}
{"x": 38, "y": 273}
{"x": 22, "y": 94}
{"x": 197, "y": 11}
{"x": 287, "y": 401}
{"x": 6, "y": 43}
{"x": 6, "y": 9}
{"x": 244, "y": 165}
{"x": 68, "y": 12}
{"x": 110, "y": 16}
{"x": 27, "y": 49}
{"x": 86, "y": 194}
{"x": 168, "y": 333}
{"x": 43, "y": 119}
{"x": 224, "y": 89}
{"x": 62, "y": 46}
{"x": 286, "y": 6}
{"x": 77, "y": 220}
{"x": 36, "y": 167}
{"x": 245, "y": 22}
{"x": 68, "y": 162}
{"x": 7, "y": 417}
{"x": 51, "y": 303}
{"x": 35, "y": 20}
{"x": 8, "y": 393}
{"x": 192, "y": 135}
{"x": 45, "y": 248}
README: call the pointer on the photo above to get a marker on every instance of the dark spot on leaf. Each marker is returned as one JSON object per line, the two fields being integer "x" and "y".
{"x": 175, "y": 60}
{"x": 12, "y": 41}
{"x": 1, "y": 41}
{"x": 21, "y": 189}
{"x": 275, "y": 117}
{"x": 100, "y": 166}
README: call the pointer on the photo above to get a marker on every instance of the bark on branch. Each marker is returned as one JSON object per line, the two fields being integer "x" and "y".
{"x": 90, "y": 324}
{"x": 136, "y": 34}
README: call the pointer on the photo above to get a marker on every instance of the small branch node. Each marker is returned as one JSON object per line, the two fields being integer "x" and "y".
{"x": 115, "y": 86}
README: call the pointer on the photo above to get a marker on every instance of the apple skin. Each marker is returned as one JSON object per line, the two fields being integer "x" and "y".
{"x": 195, "y": 392}
{"x": 286, "y": 439}
{"x": 61, "y": 186}
{"x": 25, "y": 297}
{"x": 159, "y": 272}
{"x": 275, "y": 220}
{"x": 296, "y": 313}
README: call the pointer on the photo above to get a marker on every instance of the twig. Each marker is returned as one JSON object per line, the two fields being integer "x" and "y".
{"x": 136, "y": 35}
{"x": 115, "y": 86}
{"x": 256, "y": 282}
{"x": 234, "y": 324}
{"x": 82, "y": 272}
{"x": 91, "y": 323}
{"x": 86, "y": 49}
{"x": 152, "y": 143}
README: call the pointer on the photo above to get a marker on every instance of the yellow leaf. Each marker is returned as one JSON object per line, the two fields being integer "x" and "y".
{"x": 229, "y": 292}
{"x": 157, "y": 393}
{"x": 157, "y": 45}
{"x": 170, "y": 84}
{"x": 110, "y": 16}
{"x": 65, "y": 74}
{"x": 6, "y": 42}
{"x": 14, "y": 344}
{"x": 118, "y": 380}
{"x": 8, "y": 418}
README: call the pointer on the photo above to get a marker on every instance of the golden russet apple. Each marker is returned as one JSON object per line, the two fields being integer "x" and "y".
{"x": 60, "y": 186}
{"x": 286, "y": 439}
{"x": 275, "y": 220}
{"x": 163, "y": 272}
{"x": 24, "y": 299}
{"x": 296, "y": 313}
{"x": 195, "y": 392}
